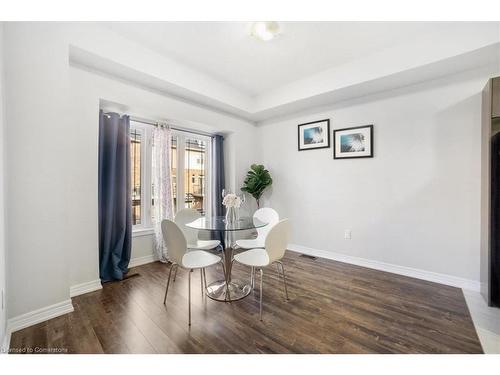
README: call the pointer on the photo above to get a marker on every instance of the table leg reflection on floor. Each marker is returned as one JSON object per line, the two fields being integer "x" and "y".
{"x": 228, "y": 290}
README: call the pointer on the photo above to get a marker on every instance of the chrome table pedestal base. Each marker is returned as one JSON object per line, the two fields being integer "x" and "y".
{"x": 228, "y": 290}
{"x": 237, "y": 290}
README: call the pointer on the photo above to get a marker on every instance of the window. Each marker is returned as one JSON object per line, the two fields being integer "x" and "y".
{"x": 190, "y": 155}
{"x": 135, "y": 163}
{"x": 140, "y": 164}
{"x": 195, "y": 166}
{"x": 190, "y": 165}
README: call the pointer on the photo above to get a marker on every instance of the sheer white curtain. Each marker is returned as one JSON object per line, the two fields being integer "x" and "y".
{"x": 162, "y": 182}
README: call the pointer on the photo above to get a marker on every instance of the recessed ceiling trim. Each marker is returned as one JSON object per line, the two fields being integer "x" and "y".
{"x": 82, "y": 59}
{"x": 401, "y": 65}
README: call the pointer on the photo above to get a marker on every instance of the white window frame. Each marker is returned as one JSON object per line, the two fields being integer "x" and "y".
{"x": 146, "y": 226}
{"x": 146, "y": 131}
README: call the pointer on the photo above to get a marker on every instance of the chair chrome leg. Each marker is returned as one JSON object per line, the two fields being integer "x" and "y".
{"x": 278, "y": 269}
{"x": 261, "y": 292}
{"x": 205, "y": 278}
{"x": 175, "y": 273}
{"x": 168, "y": 283}
{"x": 252, "y": 277}
{"x": 189, "y": 296}
{"x": 284, "y": 279}
{"x": 201, "y": 281}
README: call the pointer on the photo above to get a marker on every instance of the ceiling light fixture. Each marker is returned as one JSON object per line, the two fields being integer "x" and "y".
{"x": 265, "y": 30}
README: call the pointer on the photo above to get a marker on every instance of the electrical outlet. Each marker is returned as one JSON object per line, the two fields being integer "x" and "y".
{"x": 347, "y": 234}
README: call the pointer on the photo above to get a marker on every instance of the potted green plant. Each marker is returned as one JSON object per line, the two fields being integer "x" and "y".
{"x": 256, "y": 181}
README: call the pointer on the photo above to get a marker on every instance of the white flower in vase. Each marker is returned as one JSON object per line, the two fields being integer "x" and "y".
{"x": 232, "y": 201}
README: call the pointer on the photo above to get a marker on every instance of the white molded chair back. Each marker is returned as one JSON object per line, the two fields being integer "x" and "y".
{"x": 174, "y": 240}
{"x": 277, "y": 240}
{"x": 183, "y": 217}
{"x": 266, "y": 215}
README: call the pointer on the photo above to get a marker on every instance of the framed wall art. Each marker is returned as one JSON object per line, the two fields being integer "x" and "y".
{"x": 354, "y": 142}
{"x": 314, "y": 135}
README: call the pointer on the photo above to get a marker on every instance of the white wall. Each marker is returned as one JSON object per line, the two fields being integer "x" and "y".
{"x": 3, "y": 250}
{"x": 142, "y": 246}
{"x": 39, "y": 166}
{"x": 415, "y": 204}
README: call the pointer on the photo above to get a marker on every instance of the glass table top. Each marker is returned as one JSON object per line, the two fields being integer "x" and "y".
{"x": 218, "y": 223}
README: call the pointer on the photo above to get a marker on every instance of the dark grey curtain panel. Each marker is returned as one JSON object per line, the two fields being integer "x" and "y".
{"x": 218, "y": 181}
{"x": 115, "y": 206}
{"x": 218, "y": 175}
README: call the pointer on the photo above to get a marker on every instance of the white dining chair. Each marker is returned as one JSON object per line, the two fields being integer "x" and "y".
{"x": 186, "y": 216}
{"x": 179, "y": 255}
{"x": 274, "y": 250}
{"x": 266, "y": 215}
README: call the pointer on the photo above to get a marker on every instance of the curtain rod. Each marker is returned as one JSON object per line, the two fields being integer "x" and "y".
{"x": 156, "y": 123}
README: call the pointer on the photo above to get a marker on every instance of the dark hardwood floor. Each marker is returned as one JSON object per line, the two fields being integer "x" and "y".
{"x": 333, "y": 308}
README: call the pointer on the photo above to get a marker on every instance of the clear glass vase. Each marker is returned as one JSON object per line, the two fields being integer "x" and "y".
{"x": 231, "y": 215}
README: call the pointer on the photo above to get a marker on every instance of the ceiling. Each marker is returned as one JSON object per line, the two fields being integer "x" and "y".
{"x": 311, "y": 64}
{"x": 226, "y": 51}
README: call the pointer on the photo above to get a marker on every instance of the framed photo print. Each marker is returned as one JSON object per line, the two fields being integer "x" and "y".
{"x": 314, "y": 135}
{"x": 351, "y": 143}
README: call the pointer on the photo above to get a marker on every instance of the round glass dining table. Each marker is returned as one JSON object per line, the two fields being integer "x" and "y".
{"x": 227, "y": 289}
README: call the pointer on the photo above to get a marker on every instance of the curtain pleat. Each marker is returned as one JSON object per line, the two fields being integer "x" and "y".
{"x": 162, "y": 185}
{"x": 218, "y": 181}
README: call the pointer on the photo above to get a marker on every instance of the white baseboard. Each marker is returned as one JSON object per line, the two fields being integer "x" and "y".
{"x": 38, "y": 316}
{"x": 393, "y": 268}
{"x": 142, "y": 260}
{"x": 83, "y": 288}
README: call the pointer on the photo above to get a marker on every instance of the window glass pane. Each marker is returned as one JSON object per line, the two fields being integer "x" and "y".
{"x": 194, "y": 174}
{"x": 135, "y": 161}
